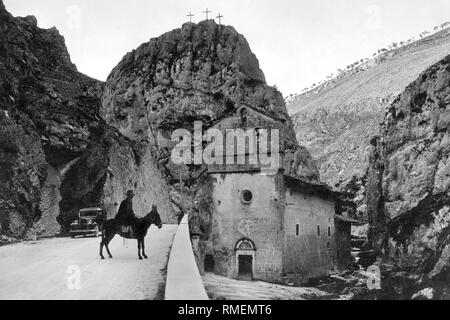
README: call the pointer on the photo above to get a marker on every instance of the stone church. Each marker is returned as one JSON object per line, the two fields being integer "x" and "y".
{"x": 273, "y": 227}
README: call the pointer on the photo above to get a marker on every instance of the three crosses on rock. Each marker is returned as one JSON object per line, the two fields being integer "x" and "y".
{"x": 190, "y": 15}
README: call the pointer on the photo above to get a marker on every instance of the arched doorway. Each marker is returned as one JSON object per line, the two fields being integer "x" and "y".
{"x": 245, "y": 259}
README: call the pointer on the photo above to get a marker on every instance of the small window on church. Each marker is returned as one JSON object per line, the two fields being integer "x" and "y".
{"x": 297, "y": 229}
{"x": 329, "y": 231}
{"x": 318, "y": 230}
{"x": 246, "y": 196}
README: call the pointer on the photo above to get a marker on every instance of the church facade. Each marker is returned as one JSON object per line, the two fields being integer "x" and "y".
{"x": 273, "y": 227}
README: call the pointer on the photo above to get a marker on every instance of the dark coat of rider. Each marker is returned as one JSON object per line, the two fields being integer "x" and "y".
{"x": 125, "y": 214}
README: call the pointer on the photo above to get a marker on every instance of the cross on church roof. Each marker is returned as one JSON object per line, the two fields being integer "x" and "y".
{"x": 218, "y": 17}
{"x": 190, "y": 15}
{"x": 207, "y": 11}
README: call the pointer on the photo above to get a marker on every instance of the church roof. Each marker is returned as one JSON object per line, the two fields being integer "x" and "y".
{"x": 304, "y": 186}
{"x": 265, "y": 113}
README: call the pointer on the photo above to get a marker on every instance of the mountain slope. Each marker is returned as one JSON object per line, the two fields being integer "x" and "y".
{"x": 336, "y": 122}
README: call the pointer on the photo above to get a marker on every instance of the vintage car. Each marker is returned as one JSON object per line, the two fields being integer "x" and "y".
{"x": 89, "y": 222}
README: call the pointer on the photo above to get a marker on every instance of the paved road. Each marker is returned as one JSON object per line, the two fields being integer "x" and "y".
{"x": 48, "y": 269}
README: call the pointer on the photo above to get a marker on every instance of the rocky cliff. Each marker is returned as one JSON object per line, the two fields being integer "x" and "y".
{"x": 408, "y": 188}
{"x": 56, "y": 153}
{"x": 203, "y": 72}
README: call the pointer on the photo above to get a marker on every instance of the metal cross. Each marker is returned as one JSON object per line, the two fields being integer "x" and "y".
{"x": 207, "y": 11}
{"x": 190, "y": 15}
{"x": 219, "y": 16}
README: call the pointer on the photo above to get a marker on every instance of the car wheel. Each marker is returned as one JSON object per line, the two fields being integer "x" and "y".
{"x": 72, "y": 236}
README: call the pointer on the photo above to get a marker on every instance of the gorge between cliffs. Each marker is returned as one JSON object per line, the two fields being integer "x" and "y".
{"x": 68, "y": 142}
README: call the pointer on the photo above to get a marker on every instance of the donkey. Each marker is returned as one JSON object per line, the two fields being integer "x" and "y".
{"x": 139, "y": 227}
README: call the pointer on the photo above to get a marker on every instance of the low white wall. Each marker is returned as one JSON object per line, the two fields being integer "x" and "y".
{"x": 183, "y": 278}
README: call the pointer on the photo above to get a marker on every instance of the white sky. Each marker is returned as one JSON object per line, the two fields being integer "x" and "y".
{"x": 297, "y": 42}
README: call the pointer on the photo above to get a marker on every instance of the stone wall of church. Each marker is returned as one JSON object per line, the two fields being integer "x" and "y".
{"x": 260, "y": 220}
{"x": 309, "y": 236}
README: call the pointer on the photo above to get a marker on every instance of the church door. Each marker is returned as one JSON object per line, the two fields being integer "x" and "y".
{"x": 245, "y": 259}
{"x": 245, "y": 265}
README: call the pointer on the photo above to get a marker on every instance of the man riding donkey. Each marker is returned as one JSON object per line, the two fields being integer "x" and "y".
{"x": 125, "y": 215}
{"x": 128, "y": 226}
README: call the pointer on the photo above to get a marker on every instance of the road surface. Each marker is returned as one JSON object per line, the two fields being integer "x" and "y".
{"x": 64, "y": 268}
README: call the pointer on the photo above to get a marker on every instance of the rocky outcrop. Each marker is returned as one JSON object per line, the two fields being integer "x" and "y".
{"x": 56, "y": 154}
{"x": 204, "y": 72}
{"x": 199, "y": 72}
{"x": 408, "y": 189}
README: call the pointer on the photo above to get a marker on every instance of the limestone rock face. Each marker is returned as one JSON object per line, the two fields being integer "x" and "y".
{"x": 303, "y": 165}
{"x": 200, "y": 72}
{"x": 56, "y": 154}
{"x": 408, "y": 191}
